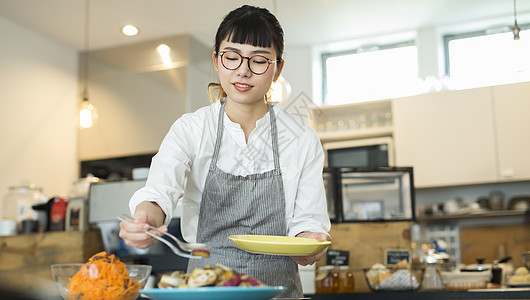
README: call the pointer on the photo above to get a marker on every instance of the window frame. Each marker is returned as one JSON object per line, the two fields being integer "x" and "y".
{"x": 362, "y": 49}
{"x": 447, "y": 38}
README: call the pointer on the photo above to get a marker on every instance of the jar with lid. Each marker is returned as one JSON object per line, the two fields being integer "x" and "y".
{"x": 17, "y": 204}
{"x": 346, "y": 280}
{"x": 326, "y": 280}
{"x": 81, "y": 186}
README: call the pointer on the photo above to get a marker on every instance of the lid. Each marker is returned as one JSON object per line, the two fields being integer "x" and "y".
{"x": 502, "y": 260}
{"x": 430, "y": 258}
{"x": 24, "y": 186}
{"x": 26, "y": 190}
{"x": 478, "y": 267}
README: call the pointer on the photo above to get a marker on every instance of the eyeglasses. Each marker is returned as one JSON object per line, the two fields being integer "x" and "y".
{"x": 257, "y": 64}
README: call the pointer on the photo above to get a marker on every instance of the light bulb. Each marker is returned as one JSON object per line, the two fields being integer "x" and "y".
{"x": 87, "y": 115}
{"x": 129, "y": 30}
{"x": 163, "y": 50}
{"x": 281, "y": 90}
{"x": 516, "y": 30}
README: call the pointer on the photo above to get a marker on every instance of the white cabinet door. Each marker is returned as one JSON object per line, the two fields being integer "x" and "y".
{"x": 447, "y": 137}
{"x": 512, "y": 117}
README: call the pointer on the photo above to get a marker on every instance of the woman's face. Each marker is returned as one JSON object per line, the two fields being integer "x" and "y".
{"x": 241, "y": 85}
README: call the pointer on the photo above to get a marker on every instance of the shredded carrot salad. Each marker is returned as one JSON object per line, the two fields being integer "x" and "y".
{"x": 104, "y": 276}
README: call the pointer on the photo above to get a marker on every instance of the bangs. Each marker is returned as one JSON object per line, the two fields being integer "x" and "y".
{"x": 250, "y": 31}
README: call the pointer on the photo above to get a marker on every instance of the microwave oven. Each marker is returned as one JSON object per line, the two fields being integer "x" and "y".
{"x": 360, "y": 153}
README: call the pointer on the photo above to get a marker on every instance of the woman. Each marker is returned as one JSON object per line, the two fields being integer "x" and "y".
{"x": 240, "y": 165}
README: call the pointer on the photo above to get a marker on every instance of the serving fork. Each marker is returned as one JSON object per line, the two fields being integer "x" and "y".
{"x": 189, "y": 247}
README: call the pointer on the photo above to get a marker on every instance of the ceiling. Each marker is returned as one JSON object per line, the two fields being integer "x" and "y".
{"x": 304, "y": 21}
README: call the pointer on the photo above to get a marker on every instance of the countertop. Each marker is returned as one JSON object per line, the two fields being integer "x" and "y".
{"x": 471, "y": 294}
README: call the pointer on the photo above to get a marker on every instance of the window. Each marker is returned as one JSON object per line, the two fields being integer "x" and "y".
{"x": 363, "y": 74}
{"x": 484, "y": 58}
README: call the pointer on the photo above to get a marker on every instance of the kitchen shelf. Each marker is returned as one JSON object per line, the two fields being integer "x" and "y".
{"x": 473, "y": 216}
{"x": 355, "y": 134}
{"x": 353, "y": 121}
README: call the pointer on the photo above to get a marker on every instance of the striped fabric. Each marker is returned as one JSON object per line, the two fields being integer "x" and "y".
{"x": 253, "y": 204}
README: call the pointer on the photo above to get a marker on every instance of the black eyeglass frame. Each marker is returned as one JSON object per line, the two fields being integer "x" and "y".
{"x": 269, "y": 61}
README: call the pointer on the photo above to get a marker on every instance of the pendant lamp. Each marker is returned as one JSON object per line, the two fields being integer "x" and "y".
{"x": 515, "y": 29}
{"x": 281, "y": 90}
{"x": 88, "y": 114}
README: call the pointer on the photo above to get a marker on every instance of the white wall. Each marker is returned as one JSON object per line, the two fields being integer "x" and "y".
{"x": 138, "y": 99}
{"x": 200, "y": 73}
{"x": 38, "y": 96}
{"x": 135, "y": 112}
{"x": 298, "y": 72}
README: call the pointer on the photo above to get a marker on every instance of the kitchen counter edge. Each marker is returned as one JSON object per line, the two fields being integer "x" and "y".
{"x": 519, "y": 294}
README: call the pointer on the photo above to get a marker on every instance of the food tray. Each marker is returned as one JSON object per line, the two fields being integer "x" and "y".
{"x": 464, "y": 286}
{"x": 400, "y": 281}
{"x": 462, "y": 281}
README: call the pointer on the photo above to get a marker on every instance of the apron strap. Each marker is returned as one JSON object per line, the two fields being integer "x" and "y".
{"x": 274, "y": 138}
{"x": 220, "y": 128}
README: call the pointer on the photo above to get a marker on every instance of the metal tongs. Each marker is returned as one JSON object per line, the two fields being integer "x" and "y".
{"x": 198, "y": 250}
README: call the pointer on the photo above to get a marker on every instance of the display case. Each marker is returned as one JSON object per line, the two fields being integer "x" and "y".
{"x": 370, "y": 194}
{"x": 331, "y": 187}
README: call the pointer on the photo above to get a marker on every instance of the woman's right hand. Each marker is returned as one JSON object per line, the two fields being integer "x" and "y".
{"x": 146, "y": 214}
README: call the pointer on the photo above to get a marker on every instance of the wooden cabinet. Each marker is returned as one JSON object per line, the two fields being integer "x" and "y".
{"x": 512, "y": 118}
{"x": 448, "y": 137}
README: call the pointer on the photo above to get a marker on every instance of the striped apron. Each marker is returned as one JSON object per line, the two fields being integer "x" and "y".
{"x": 252, "y": 204}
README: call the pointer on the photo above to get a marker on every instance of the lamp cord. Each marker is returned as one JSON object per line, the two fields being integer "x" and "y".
{"x": 515, "y": 11}
{"x": 85, "y": 56}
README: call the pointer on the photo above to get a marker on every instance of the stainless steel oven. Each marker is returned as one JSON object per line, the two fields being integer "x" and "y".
{"x": 370, "y": 194}
{"x": 360, "y": 153}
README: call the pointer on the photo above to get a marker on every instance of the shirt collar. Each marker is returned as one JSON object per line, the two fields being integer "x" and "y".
{"x": 264, "y": 121}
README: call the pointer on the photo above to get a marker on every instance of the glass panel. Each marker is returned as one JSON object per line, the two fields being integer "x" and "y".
{"x": 359, "y": 157}
{"x": 377, "y": 195}
{"x": 329, "y": 185}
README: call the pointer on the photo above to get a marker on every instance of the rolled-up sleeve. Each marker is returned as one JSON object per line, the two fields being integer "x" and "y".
{"x": 169, "y": 169}
{"x": 310, "y": 207}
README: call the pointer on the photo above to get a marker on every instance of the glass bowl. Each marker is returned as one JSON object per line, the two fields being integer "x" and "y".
{"x": 62, "y": 273}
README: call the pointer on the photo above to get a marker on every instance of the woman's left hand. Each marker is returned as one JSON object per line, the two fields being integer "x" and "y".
{"x": 311, "y": 259}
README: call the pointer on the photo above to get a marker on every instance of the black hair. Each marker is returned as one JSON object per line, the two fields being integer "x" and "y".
{"x": 251, "y": 25}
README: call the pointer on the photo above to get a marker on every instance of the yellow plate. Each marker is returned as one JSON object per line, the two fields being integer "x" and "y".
{"x": 279, "y": 245}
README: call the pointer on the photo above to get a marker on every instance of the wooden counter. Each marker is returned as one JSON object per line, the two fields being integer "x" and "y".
{"x": 25, "y": 260}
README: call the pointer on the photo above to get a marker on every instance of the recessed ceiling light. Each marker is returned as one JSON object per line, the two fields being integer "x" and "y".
{"x": 129, "y": 30}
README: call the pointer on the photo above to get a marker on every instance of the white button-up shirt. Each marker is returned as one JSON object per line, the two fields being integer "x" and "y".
{"x": 178, "y": 171}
